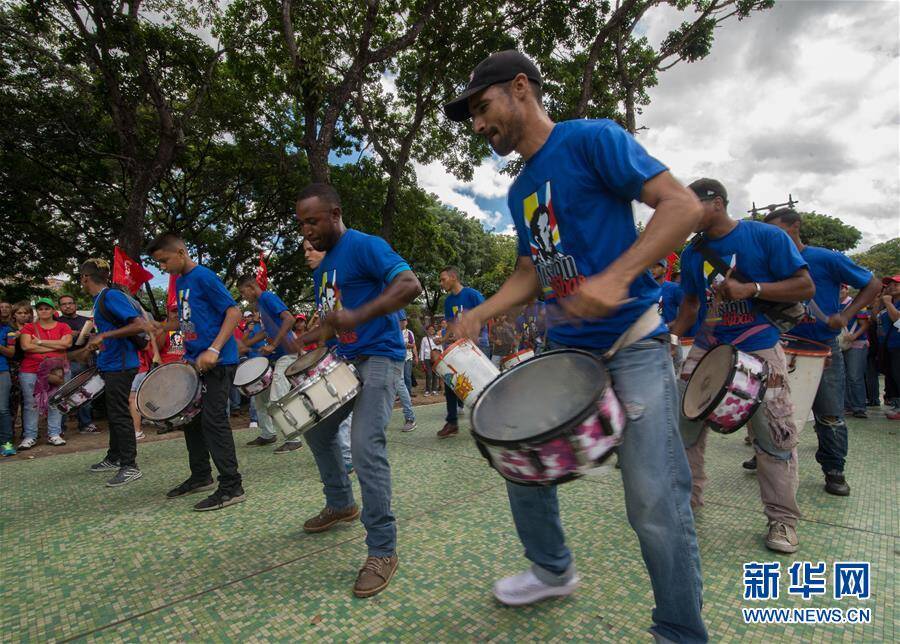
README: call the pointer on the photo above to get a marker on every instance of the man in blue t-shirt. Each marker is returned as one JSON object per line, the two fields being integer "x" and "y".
{"x": 459, "y": 298}
{"x": 771, "y": 270}
{"x": 116, "y": 320}
{"x": 825, "y": 316}
{"x": 206, "y": 317}
{"x": 278, "y": 324}
{"x": 360, "y": 285}
{"x": 889, "y": 322}
{"x": 579, "y": 248}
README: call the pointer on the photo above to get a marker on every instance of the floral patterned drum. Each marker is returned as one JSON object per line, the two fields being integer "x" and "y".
{"x": 550, "y": 420}
{"x": 466, "y": 370}
{"x": 725, "y": 389}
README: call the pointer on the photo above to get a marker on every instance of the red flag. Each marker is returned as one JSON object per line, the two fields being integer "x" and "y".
{"x": 262, "y": 275}
{"x": 172, "y": 297}
{"x": 128, "y": 272}
{"x": 671, "y": 259}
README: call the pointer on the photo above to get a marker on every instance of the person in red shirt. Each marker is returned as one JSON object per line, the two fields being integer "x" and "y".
{"x": 41, "y": 340}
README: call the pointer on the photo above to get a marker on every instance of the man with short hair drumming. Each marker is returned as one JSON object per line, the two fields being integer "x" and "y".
{"x": 826, "y": 316}
{"x": 579, "y": 248}
{"x": 766, "y": 257}
{"x": 360, "y": 284}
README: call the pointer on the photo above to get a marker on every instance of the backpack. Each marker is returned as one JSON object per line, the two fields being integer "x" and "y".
{"x": 141, "y": 340}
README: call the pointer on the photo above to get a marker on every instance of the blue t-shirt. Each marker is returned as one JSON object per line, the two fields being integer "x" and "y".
{"x": 828, "y": 269}
{"x": 891, "y": 334}
{"x": 270, "y": 308}
{"x": 571, "y": 205}
{"x": 669, "y": 301}
{"x": 118, "y": 354}
{"x": 5, "y": 330}
{"x": 356, "y": 271}
{"x": 253, "y": 349}
{"x": 466, "y": 299}
{"x": 202, "y": 303}
{"x": 761, "y": 253}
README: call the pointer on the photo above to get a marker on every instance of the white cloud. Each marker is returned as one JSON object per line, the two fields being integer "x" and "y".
{"x": 803, "y": 99}
{"x": 488, "y": 183}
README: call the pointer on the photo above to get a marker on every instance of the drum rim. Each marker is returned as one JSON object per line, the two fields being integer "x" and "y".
{"x": 259, "y": 377}
{"x": 517, "y": 353}
{"x": 714, "y": 402}
{"x": 582, "y": 416}
{"x": 326, "y": 351}
{"x": 824, "y": 352}
{"x": 452, "y": 347}
{"x": 137, "y": 394}
{"x": 58, "y": 395}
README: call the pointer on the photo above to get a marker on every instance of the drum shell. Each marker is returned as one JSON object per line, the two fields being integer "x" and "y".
{"x": 180, "y": 417}
{"x": 92, "y": 387}
{"x": 804, "y": 373}
{"x": 466, "y": 370}
{"x": 318, "y": 397}
{"x": 513, "y": 359}
{"x": 257, "y": 385}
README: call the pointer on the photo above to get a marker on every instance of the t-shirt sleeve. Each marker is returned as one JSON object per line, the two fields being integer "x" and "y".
{"x": 274, "y": 305}
{"x": 620, "y": 162}
{"x": 379, "y": 260}
{"x": 119, "y": 307}
{"x": 784, "y": 258}
{"x": 28, "y": 329}
{"x": 690, "y": 283}
{"x": 851, "y": 273}
{"x": 216, "y": 294}
{"x": 522, "y": 246}
{"x": 62, "y": 330}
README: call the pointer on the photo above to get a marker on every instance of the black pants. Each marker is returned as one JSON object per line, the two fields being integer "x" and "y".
{"x": 452, "y": 404}
{"x": 892, "y": 374}
{"x": 209, "y": 433}
{"x": 122, "y": 443}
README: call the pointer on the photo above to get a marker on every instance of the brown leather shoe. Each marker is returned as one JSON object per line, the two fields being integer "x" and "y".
{"x": 448, "y": 430}
{"x": 375, "y": 575}
{"x": 328, "y": 517}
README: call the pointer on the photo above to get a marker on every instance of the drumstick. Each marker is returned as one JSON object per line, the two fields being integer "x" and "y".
{"x": 87, "y": 328}
{"x": 156, "y": 357}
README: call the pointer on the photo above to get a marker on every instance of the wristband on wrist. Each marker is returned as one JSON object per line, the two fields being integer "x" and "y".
{"x": 758, "y": 289}
{"x": 214, "y": 350}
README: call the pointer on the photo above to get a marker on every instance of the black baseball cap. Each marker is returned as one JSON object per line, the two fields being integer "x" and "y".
{"x": 706, "y": 189}
{"x": 496, "y": 68}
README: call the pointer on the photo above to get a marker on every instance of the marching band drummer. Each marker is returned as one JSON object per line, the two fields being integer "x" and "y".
{"x": 206, "y": 317}
{"x": 118, "y": 364}
{"x": 278, "y": 324}
{"x": 571, "y": 205}
{"x": 826, "y": 316}
{"x": 767, "y": 256}
{"x": 359, "y": 284}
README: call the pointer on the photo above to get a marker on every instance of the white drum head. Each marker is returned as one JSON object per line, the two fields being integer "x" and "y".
{"x": 167, "y": 391}
{"x": 708, "y": 380}
{"x": 306, "y": 361}
{"x": 250, "y": 370}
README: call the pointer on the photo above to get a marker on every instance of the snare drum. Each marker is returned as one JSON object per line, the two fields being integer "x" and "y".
{"x": 170, "y": 395}
{"x": 513, "y": 359}
{"x": 254, "y": 376}
{"x": 534, "y": 430}
{"x": 310, "y": 364}
{"x": 329, "y": 391}
{"x": 805, "y": 365}
{"x": 77, "y": 391}
{"x": 466, "y": 370}
{"x": 726, "y": 388}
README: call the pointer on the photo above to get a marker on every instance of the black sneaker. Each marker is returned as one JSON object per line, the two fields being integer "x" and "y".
{"x": 105, "y": 465}
{"x": 189, "y": 487}
{"x": 89, "y": 429}
{"x": 836, "y": 484}
{"x": 749, "y": 464}
{"x": 287, "y": 447}
{"x": 259, "y": 440}
{"x": 860, "y": 413}
{"x": 125, "y": 475}
{"x": 219, "y": 499}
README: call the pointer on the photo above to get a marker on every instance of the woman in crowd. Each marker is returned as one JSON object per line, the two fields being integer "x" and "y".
{"x": 44, "y": 339}
{"x": 20, "y": 314}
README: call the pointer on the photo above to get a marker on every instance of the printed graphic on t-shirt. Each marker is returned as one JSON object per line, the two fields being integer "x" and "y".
{"x": 556, "y": 270}
{"x": 188, "y": 329}
{"x": 330, "y": 300}
{"x": 732, "y": 313}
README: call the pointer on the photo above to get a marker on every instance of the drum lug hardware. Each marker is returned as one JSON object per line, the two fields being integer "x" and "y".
{"x": 289, "y": 417}
{"x": 331, "y": 389}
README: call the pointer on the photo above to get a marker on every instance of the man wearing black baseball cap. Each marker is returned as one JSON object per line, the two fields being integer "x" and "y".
{"x": 578, "y": 246}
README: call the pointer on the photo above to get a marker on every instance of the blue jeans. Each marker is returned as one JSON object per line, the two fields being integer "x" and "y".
{"x": 30, "y": 412}
{"x": 407, "y": 375}
{"x": 253, "y": 416}
{"x": 6, "y": 433}
{"x": 855, "y": 364}
{"x": 371, "y": 415}
{"x": 452, "y": 405}
{"x": 405, "y": 400}
{"x": 344, "y": 439}
{"x": 828, "y": 408}
{"x": 657, "y": 483}
{"x": 84, "y": 412}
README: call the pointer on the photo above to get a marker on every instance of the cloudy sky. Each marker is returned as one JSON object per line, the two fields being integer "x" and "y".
{"x": 801, "y": 99}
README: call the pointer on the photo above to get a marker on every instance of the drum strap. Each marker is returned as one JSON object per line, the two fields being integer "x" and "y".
{"x": 640, "y": 329}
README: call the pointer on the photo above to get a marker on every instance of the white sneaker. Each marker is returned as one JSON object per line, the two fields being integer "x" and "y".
{"x": 253, "y": 425}
{"x": 139, "y": 435}
{"x": 27, "y": 443}
{"x": 56, "y": 440}
{"x": 526, "y": 588}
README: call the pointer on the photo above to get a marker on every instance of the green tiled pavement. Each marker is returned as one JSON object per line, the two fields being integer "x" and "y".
{"x": 85, "y": 562}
